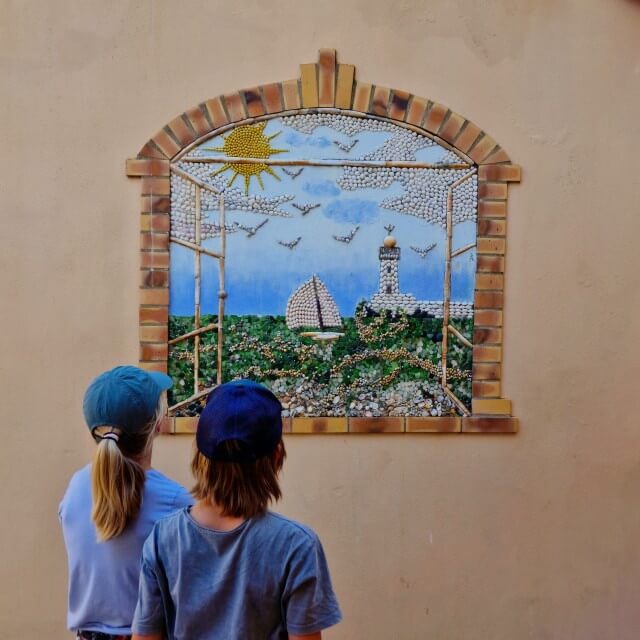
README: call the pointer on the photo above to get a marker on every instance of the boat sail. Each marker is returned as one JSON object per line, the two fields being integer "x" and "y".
{"x": 312, "y": 306}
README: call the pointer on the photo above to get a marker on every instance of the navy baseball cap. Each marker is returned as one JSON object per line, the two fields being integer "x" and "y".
{"x": 241, "y": 410}
{"x": 124, "y": 397}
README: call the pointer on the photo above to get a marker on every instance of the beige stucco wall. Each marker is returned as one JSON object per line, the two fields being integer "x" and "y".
{"x": 451, "y": 537}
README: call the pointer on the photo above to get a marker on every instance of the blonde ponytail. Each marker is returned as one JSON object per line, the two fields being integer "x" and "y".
{"x": 117, "y": 479}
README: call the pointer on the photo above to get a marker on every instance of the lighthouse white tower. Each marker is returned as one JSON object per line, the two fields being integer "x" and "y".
{"x": 389, "y": 256}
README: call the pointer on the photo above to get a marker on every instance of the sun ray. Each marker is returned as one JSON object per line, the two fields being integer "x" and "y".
{"x": 248, "y": 141}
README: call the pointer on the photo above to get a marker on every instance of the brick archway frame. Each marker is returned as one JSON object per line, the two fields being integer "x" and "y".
{"x": 330, "y": 86}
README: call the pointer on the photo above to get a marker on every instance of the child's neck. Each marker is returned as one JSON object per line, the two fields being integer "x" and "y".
{"x": 210, "y": 515}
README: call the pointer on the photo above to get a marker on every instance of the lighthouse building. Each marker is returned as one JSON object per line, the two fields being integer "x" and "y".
{"x": 389, "y": 296}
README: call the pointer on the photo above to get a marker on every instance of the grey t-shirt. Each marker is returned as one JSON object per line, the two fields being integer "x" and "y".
{"x": 263, "y": 580}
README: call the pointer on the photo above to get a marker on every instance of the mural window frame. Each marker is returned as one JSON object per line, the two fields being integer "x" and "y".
{"x": 328, "y": 87}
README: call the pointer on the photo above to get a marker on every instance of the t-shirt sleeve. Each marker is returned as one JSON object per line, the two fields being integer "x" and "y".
{"x": 182, "y": 499}
{"x": 149, "y": 615}
{"x": 310, "y": 604}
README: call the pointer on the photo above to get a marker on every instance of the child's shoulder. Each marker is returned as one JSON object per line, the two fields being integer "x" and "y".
{"x": 288, "y": 527}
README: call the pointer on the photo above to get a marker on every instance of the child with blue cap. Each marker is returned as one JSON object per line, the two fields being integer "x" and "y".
{"x": 229, "y": 568}
{"x": 111, "y": 505}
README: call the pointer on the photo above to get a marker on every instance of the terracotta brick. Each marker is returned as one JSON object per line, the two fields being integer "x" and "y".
{"x": 487, "y": 371}
{"x": 166, "y": 143}
{"x": 490, "y": 227}
{"x": 286, "y": 424}
{"x": 150, "y": 150}
{"x": 198, "y": 120}
{"x": 215, "y": 109}
{"x": 147, "y": 167}
{"x": 486, "y": 389}
{"x": 491, "y": 245}
{"x": 291, "y": 94}
{"x": 451, "y": 127}
{"x": 319, "y": 425}
{"x": 154, "y": 259}
{"x": 182, "y": 132}
{"x": 160, "y": 366}
{"x": 500, "y": 172}
{"x": 417, "y": 109}
{"x": 487, "y": 317}
{"x": 399, "y": 103}
{"x": 492, "y": 209}
{"x": 155, "y": 222}
{"x": 253, "y": 100}
{"x": 153, "y": 333}
{"x": 489, "y": 281}
{"x": 482, "y": 148}
{"x": 497, "y": 156}
{"x": 492, "y": 190}
{"x": 376, "y": 425}
{"x": 185, "y": 424}
{"x": 150, "y": 352}
{"x": 495, "y": 424}
{"x": 496, "y": 406}
{"x": 440, "y": 424}
{"x": 309, "y": 85}
{"x": 493, "y": 264}
{"x": 327, "y": 77}
{"x": 487, "y": 335}
{"x": 487, "y": 354}
{"x": 154, "y": 297}
{"x": 344, "y": 88}
{"x": 155, "y": 204}
{"x": 488, "y": 300}
{"x": 468, "y": 136}
{"x": 154, "y": 315}
{"x": 361, "y": 97}
{"x": 435, "y": 117}
{"x": 272, "y": 97}
{"x": 167, "y": 425}
{"x": 380, "y": 101}
{"x": 154, "y": 241}
{"x": 154, "y": 278}
{"x": 156, "y": 186}
{"x": 235, "y": 107}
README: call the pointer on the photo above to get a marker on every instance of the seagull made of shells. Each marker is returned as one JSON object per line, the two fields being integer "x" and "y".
{"x": 423, "y": 252}
{"x": 251, "y": 231}
{"x": 305, "y": 208}
{"x": 346, "y": 147}
{"x": 348, "y": 238}
{"x": 293, "y": 174}
{"x": 292, "y": 244}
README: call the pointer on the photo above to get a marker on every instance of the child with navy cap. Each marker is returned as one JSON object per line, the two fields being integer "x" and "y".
{"x": 229, "y": 568}
{"x": 111, "y": 505}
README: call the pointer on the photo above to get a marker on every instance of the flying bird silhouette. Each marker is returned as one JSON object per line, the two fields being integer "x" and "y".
{"x": 347, "y": 239}
{"x": 251, "y": 231}
{"x": 292, "y": 244}
{"x": 293, "y": 174}
{"x": 389, "y": 228}
{"x": 344, "y": 146}
{"x": 423, "y": 252}
{"x": 305, "y": 208}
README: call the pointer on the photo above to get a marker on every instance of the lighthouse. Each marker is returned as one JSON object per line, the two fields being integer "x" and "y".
{"x": 389, "y": 256}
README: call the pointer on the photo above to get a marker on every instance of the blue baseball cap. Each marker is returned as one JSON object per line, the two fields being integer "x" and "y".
{"x": 124, "y": 397}
{"x": 241, "y": 410}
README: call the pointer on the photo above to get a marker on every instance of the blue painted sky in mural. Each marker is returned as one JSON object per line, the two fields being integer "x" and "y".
{"x": 261, "y": 274}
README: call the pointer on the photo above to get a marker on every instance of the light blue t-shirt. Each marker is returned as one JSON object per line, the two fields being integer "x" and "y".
{"x": 264, "y": 579}
{"x": 103, "y": 576}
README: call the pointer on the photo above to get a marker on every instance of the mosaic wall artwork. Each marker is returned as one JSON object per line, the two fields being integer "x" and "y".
{"x": 346, "y": 250}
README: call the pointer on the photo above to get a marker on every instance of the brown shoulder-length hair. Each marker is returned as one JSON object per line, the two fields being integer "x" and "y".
{"x": 241, "y": 489}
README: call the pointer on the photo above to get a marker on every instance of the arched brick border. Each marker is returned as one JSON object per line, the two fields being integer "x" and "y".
{"x": 326, "y": 84}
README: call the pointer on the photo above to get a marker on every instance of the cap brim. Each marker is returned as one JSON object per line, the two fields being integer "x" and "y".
{"x": 161, "y": 379}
